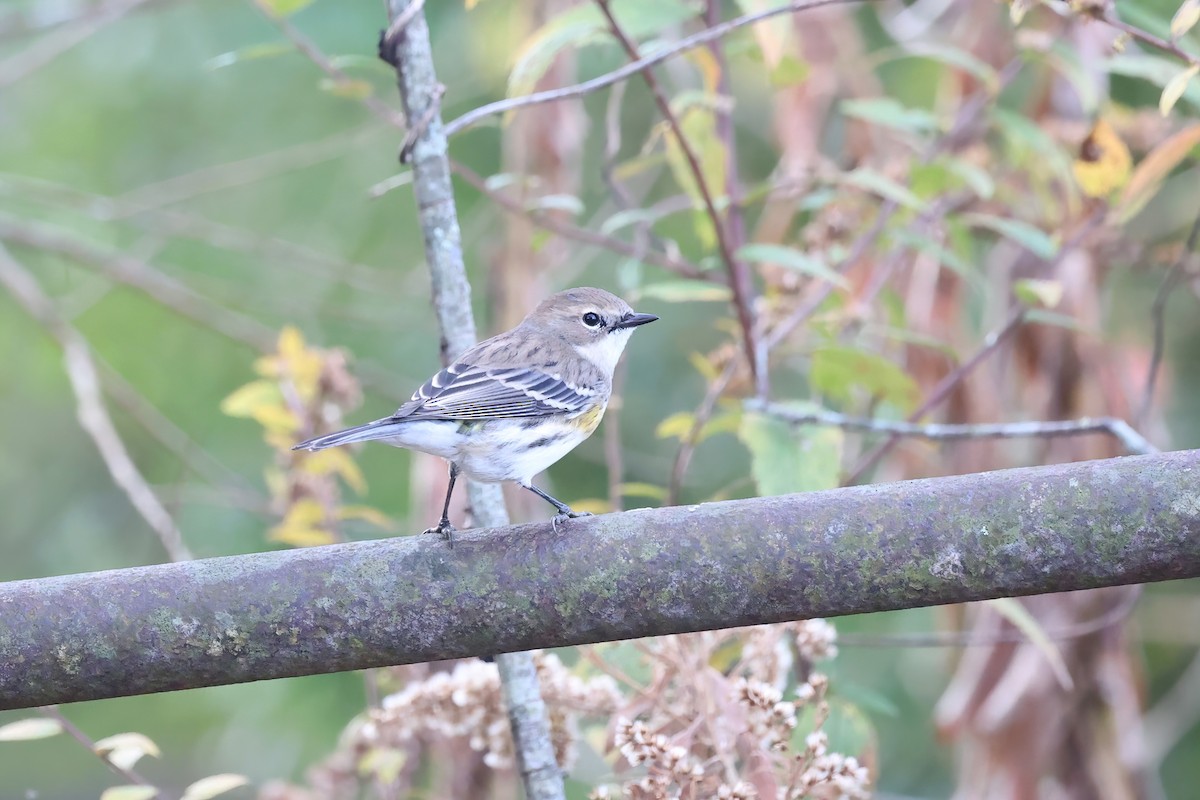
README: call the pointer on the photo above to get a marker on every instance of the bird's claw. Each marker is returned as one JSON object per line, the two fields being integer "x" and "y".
{"x": 443, "y": 529}
{"x": 563, "y": 516}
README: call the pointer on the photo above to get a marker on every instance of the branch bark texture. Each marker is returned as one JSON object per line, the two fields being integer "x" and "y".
{"x": 618, "y": 576}
{"x": 407, "y": 46}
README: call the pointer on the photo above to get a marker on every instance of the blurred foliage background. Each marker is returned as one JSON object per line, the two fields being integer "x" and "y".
{"x": 910, "y": 184}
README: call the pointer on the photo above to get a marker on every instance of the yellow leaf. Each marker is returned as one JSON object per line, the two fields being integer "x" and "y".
{"x": 704, "y": 366}
{"x": 305, "y": 511}
{"x": 1175, "y": 89}
{"x": 214, "y": 785}
{"x": 1150, "y": 172}
{"x": 1185, "y": 18}
{"x": 303, "y": 364}
{"x": 352, "y": 89}
{"x": 1104, "y": 162}
{"x": 367, "y": 514}
{"x": 124, "y": 750}
{"x": 276, "y": 419}
{"x": 31, "y": 728}
{"x": 301, "y": 537}
{"x": 648, "y": 490}
{"x": 1012, "y": 610}
{"x": 291, "y": 342}
{"x": 710, "y": 68}
{"x": 336, "y": 461}
{"x": 592, "y": 505}
{"x": 280, "y": 440}
{"x": 677, "y": 426}
{"x": 1017, "y": 9}
{"x": 268, "y": 366}
{"x": 1035, "y": 292}
{"x": 244, "y": 401}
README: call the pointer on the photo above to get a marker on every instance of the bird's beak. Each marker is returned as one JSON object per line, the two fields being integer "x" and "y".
{"x": 633, "y": 319}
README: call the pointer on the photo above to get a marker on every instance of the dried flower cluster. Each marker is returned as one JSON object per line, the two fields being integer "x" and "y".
{"x": 467, "y": 703}
{"x": 718, "y": 720}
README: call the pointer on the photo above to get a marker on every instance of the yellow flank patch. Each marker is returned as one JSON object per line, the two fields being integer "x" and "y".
{"x": 589, "y": 419}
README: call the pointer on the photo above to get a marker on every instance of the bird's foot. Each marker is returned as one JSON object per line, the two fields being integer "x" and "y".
{"x": 443, "y": 529}
{"x": 566, "y": 514}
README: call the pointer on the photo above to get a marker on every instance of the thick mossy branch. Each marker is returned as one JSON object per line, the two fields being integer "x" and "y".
{"x": 639, "y": 573}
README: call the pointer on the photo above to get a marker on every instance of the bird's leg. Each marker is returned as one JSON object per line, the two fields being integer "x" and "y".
{"x": 564, "y": 510}
{"x": 444, "y": 528}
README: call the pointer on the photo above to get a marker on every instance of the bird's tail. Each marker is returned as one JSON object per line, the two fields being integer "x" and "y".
{"x": 384, "y": 428}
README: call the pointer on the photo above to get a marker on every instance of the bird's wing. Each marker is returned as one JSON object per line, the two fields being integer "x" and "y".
{"x": 469, "y": 392}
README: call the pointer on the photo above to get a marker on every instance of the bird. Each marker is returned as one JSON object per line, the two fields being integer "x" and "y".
{"x": 516, "y": 403}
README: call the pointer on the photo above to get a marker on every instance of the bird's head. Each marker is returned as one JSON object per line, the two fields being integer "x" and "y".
{"x": 596, "y": 323}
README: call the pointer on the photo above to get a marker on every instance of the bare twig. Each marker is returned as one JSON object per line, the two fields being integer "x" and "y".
{"x": 634, "y": 67}
{"x": 1108, "y": 15}
{"x": 240, "y": 173}
{"x": 991, "y": 343}
{"x": 338, "y": 76}
{"x": 72, "y": 730}
{"x": 614, "y": 461}
{"x": 1158, "y": 313}
{"x": 133, "y": 272}
{"x": 93, "y": 416}
{"x": 407, "y": 47}
{"x": 1133, "y": 441}
{"x": 740, "y": 279}
{"x": 680, "y": 266}
{"x": 687, "y": 445}
{"x": 59, "y": 41}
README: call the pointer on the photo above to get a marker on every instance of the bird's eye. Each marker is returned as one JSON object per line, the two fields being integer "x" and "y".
{"x": 591, "y": 319}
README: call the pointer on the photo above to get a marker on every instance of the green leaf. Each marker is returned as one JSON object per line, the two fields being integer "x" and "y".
{"x": 879, "y": 184}
{"x": 556, "y": 202}
{"x": 685, "y": 291}
{"x": 284, "y": 8}
{"x": 1038, "y": 316}
{"x": 582, "y": 25}
{"x": 975, "y": 177}
{"x": 214, "y": 785}
{"x": 952, "y": 56}
{"x": 790, "y": 71}
{"x": 699, "y": 126}
{"x": 944, "y": 255}
{"x": 1019, "y": 616}
{"x": 1153, "y": 68}
{"x": 1032, "y": 239}
{"x": 1035, "y": 292}
{"x": 250, "y": 53}
{"x": 24, "y": 730}
{"x": 837, "y": 371}
{"x": 888, "y": 112}
{"x": 790, "y": 258}
{"x": 129, "y": 792}
{"x": 787, "y": 458}
{"x": 676, "y": 426}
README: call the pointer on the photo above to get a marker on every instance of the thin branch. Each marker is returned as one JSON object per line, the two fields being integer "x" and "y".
{"x": 740, "y": 280}
{"x": 677, "y": 264}
{"x": 1158, "y": 312}
{"x": 335, "y": 74}
{"x": 60, "y": 40}
{"x": 239, "y": 173}
{"x": 687, "y": 445}
{"x": 1119, "y": 429}
{"x": 406, "y": 46}
{"x": 133, "y": 272}
{"x": 93, "y": 416}
{"x": 634, "y": 67}
{"x": 71, "y": 729}
{"x": 991, "y": 343}
{"x": 1108, "y": 16}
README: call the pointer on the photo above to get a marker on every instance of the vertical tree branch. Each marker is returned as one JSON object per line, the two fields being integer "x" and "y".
{"x": 93, "y": 416}
{"x": 406, "y": 46}
{"x": 739, "y": 274}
